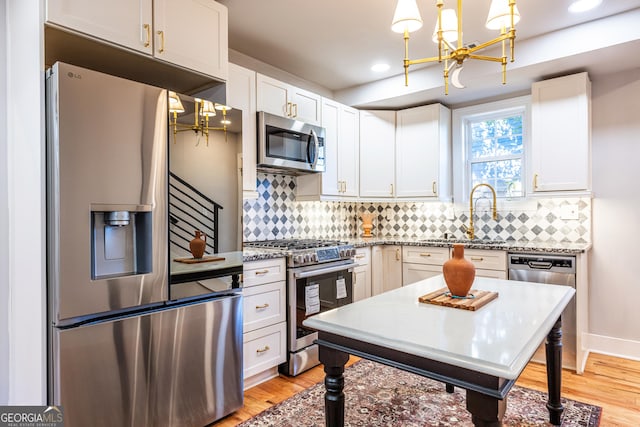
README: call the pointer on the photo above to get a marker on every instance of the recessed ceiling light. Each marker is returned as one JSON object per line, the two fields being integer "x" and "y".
{"x": 583, "y": 5}
{"x": 379, "y": 68}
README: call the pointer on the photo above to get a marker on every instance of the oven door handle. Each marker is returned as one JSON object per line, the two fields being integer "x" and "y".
{"x": 321, "y": 271}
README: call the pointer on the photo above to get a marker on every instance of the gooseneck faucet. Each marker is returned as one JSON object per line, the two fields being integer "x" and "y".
{"x": 470, "y": 230}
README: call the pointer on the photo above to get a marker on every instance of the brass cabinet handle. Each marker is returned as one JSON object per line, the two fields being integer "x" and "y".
{"x": 261, "y": 272}
{"x": 477, "y": 259}
{"x": 263, "y": 349}
{"x": 433, "y": 188}
{"x": 392, "y": 189}
{"x": 161, "y": 34}
{"x": 288, "y": 109}
{"x": 147, "y": 29}
{"x": 296, "y": 110}
{"x": 397, "y": 254}
{"x": 260, "y": 307}
{"x": 425, "y": 254}
{"x": 535, "y": 181}
{"x": 360, "y": 256}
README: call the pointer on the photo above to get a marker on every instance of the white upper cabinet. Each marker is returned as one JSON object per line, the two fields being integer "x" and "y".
{"x": 340, "y": 178}
{"x": 285, "y": 100}
{"x": 377, "y": 154}
{"x": 561, "y": 134}
{"x": 423, "y": 152}
{"x": 188, "y": 33}
{"x": 241, "y": 93}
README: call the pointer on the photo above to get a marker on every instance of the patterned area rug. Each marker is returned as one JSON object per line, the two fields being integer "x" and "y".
{"x": 378, "y": 395}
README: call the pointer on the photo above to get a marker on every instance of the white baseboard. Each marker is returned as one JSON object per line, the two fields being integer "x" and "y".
{"x": 626, "y": 349}
{"x": 261, "y": 377}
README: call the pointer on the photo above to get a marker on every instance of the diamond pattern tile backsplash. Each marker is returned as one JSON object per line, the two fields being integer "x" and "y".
{"x": 275, "y": 214}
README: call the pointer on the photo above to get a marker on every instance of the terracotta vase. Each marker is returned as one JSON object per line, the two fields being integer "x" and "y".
{"x": 459, "y": 272}
{"x": 198, "y": 244}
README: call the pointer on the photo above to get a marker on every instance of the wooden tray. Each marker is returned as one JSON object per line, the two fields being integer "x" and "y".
{"x": 199, "y": 260}
{"x": 443, "y": 297}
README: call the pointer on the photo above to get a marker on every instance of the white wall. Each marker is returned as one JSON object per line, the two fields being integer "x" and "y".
{"x": 22, "y": 234}
{"x": 614, "y": 315}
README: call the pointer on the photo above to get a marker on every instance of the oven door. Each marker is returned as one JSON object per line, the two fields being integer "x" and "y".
{"x": 315, "y": 289}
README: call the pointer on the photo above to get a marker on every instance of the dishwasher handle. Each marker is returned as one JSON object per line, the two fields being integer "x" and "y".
{"x": 540, "y": 265}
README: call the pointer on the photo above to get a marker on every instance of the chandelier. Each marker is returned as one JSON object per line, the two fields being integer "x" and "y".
{"x": 503, "y": 15}
{"x": 203, "y": 111}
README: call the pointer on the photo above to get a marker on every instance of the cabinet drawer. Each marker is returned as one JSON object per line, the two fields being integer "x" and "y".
{"x": 363, "y": 256}
{"x": 425, "y": 255}
{"x": 412, "y": 273}
{"x": 487, "y": 259}
{"x": 264, "y": 305}
{"x": 265, "y": 271}
{"x": 493, "y": 274}
{"x": 264, "y": 348}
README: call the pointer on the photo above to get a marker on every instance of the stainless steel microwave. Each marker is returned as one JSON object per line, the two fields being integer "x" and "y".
{"x": 289, "y": 146}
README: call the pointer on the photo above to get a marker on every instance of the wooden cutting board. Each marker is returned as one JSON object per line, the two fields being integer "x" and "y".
{"x": 199, "y": 260}
{"x": 444, "y": 298}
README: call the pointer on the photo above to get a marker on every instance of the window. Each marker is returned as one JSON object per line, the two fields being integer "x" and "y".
{"x": 490, "y": 146}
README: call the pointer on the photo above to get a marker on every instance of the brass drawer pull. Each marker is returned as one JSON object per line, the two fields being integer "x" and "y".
{"x": 360, "y": 256}
{"x": 477, "y": 259}
{"x": 147, "y": 29}
{"x": 425, "y": 254}
{"x": 260, "y": 307}
{"x": 262, "y": 350}
{"x": 535, "y": 181}
{"x": 261, "y": 272}
{"x": 161, "y": 34}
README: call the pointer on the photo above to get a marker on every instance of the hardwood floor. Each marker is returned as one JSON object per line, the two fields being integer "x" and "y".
{"x": 609, "y": 382}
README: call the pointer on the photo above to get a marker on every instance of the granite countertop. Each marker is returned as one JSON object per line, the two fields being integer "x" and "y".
{"x": 256, "y": 254}
{"x": 508, "y": 245}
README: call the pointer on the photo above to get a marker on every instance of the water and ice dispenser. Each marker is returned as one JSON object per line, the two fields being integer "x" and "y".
{"x": 121, "y": 242}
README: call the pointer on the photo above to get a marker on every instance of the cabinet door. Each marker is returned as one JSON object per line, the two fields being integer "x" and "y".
{"x": 272, "y": 96}
{"x": 349, "y": 142}
{"x": 192, "y": 34}
{"x": 124, "y": 22}
{"x": 331, "y": 124}
{"x": 386, "y": 268}
{"x": 241, "y": 93}
{"x": 377, "y": 148}
{"x": 417, "y": 152}
{"x": 561, "y": 134}
{"x": 305, "y": 106}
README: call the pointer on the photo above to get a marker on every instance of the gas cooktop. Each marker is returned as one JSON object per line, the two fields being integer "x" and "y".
{"x": 308, "y": 251}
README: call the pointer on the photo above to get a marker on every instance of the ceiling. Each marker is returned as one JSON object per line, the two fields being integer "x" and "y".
{"x": 334, "y": 43}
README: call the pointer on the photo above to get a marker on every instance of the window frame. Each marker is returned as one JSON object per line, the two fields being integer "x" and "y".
{"x": 461, "y": 140}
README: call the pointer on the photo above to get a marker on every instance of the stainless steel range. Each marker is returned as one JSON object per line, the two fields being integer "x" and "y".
{"x": 319, "y": 278}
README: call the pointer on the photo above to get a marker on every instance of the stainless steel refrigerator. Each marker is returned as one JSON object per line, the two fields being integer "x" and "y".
{"x": 122, "y": 352}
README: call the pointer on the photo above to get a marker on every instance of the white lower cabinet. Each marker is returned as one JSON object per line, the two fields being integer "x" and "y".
{"x": 420, "y": 262}
{"x": 489, "y": 263}
{"x": 362, "y": 274}
{"x": 386, "y": 268}
{"x": 265, "y": 322}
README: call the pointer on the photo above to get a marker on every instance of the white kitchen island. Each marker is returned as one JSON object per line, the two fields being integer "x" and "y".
{"x": 482, "y": 351}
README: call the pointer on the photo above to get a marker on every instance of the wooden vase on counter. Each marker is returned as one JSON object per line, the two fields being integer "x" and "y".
{"x": 459, "y": 272}
{"x": 198, "y": 244}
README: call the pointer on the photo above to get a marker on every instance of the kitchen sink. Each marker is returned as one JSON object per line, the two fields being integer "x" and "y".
{"x": 466, "y": 241}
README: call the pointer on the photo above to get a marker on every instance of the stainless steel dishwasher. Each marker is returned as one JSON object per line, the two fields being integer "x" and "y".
{"x": 555, "y": 270}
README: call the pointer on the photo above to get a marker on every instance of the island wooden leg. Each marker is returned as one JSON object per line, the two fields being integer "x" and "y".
{"x": 553, "y": 349}
{"x": 486, "y": 411}
{"x": 333, "y": 361}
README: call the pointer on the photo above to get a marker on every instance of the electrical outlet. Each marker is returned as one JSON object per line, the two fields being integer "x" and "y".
{"x": 569, "y": 212}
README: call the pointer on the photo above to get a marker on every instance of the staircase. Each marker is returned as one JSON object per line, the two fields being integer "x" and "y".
{"x": 190, "y": 210}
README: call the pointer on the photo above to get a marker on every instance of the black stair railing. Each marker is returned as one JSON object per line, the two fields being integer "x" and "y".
{"x": 191, "y": 210}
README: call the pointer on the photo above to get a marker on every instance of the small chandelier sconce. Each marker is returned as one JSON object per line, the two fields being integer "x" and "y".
{"x": 447, "y": 34}
{"x": 203, "y": 112}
